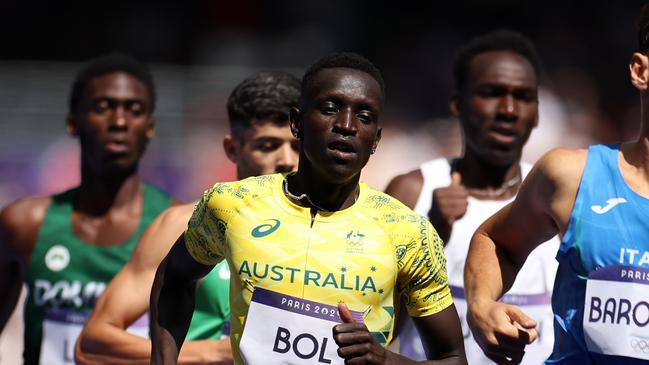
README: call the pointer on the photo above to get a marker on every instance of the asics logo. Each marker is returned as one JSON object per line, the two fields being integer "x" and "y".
{"x": 610, "y": 204}
{"x": 264, "y": 230}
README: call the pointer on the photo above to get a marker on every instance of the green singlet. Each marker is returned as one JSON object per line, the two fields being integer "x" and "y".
{"x": 66, "y": 276}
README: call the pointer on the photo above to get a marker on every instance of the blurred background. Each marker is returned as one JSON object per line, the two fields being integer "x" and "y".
{"x": 199, "y": 50}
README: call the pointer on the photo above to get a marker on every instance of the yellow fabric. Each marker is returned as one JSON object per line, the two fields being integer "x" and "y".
{"x": 366, "y": 255}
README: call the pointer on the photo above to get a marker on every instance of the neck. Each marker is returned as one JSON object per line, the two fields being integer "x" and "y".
{"x": 100, "y": 193}
{"x": 320, "y": 194}
{"x": 487, "y": 181}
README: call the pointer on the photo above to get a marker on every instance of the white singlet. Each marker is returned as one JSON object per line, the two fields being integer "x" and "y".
{"x": 531, "y": 291}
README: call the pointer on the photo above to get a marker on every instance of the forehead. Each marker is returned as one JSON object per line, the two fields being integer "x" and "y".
{"x": 348, "y": 83}
{"x": 268, "y": 129}
{"x": 502, "y": 67}
{"x": 117, "y": 85}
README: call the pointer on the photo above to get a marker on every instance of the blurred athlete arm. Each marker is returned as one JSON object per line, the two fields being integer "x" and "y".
{"x": 104, "y": 338}
{"x": 449, "y": 203}
{"x": 19, "y": 225}
{"x": 501, "y": 245}
{"x": 406, "y": 188}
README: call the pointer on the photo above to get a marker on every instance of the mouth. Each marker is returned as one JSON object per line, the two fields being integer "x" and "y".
{"x": 117, "y": 146}
{"x": 503, "y": 136}
{"x": 342, "y": 149}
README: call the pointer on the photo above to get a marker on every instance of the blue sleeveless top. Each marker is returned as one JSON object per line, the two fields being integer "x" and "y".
{"x": 603, "y": 274}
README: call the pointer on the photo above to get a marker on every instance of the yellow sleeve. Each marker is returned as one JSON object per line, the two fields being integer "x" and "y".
{"x": 205, "y": 234}
{"x": 422, "y": 280}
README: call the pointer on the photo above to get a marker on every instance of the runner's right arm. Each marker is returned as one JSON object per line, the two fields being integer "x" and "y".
{"x": 104, "y": 338}
{"x": 19, "y": 224}
{"x": 172, "y": 302}
{"x": 173, "y": 291}
{"x": 501, "y": 245}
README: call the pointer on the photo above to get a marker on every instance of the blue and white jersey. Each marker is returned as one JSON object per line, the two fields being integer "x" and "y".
{"x": 601, "y": 293}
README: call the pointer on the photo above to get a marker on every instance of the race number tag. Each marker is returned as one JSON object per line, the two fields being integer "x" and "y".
{"x": 616, "y": 311}
{"x": 281, "y": 329}
{"x": 61, "y": 328}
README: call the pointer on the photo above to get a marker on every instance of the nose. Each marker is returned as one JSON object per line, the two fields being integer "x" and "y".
{"x": 345, "y": 123}
{"x": 507, "y": 108}
{"x": 118, "y": 117}
{"x": 287, "y": 159}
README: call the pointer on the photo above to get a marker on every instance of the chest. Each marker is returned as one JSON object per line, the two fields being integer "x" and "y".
{"x": 613, "y": 231}
{"x": 288, "y": 254}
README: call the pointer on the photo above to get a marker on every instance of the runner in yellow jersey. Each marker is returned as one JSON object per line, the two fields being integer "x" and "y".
{"x": 318, "y": 260}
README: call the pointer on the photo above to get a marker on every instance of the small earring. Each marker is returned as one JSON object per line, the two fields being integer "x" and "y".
{"x": 373, "y": 150}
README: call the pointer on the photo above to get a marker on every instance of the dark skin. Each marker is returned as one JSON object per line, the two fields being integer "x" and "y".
{"x": 113, "y": 123}
{"x": 337, "y": 124}
{"x": 498, "y": 108}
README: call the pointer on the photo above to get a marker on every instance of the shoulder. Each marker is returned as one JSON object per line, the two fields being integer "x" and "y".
{"x": 245, "y": 189}
{"x": 20, "y": 222}
{"x": 406, "y": 187}
{"x": 391, "y": 213}
{"x": 177, "y": 213}
{"x": 553, "y": 183}
{"x": 160, "y": 236}
{"x": 561, "y": 163}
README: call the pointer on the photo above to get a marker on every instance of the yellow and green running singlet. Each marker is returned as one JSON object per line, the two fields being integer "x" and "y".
{"x": 365, "y": 256}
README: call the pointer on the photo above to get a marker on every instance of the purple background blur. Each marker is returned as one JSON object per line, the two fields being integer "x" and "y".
{"x": 200, "y": 49}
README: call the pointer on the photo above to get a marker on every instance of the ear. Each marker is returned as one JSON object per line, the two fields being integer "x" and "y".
{"x": 377, "y": 140}
{"x": 71, "y": 125}
{"x": 454, "y": 105}
{"x": 639, "y": 70}
{"x": 295, "y": 122}
{"x": 230, "y": 147}
{"x": 150, "y": 132}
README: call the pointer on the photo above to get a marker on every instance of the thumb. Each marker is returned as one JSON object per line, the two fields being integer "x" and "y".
{"x": 456, "y": 178}
{"x": 345, "y": 314}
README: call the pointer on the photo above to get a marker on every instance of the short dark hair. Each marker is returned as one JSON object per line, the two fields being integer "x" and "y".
{"x": 499, "y": 40}
{"x": 642, "y": 28}
{"x": 102, "y": 65}
{"x": 264, "y": 95}
{"x": 343, "y": 60}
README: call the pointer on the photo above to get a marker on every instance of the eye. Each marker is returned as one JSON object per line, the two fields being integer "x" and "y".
{"x": 266, "y": 145}
{"x": 525, "y": 95}
{"x": 136, "y": 108}
{"x": 328, "y": 108}
{"x": 101, "y": 106}
{"x": 365, "y": 117}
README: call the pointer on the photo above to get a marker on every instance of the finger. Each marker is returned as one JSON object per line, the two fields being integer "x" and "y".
{"x": 519, "y": 317}
{"x": 345, "y": 314}
{"x": 525, "y": 325}
{"x": 349, "y": 328}
{"x": 356, "y": 350}
{"x": 352, "y": 338}
{"x": 456, "y": 178}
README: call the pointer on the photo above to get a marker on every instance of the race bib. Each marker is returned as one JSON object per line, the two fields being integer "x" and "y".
{"x": 62, "y": 327}
{"x": 616, "y": 311}
{"x": 281, "y": 329}
{"x": 536, "y": 306}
